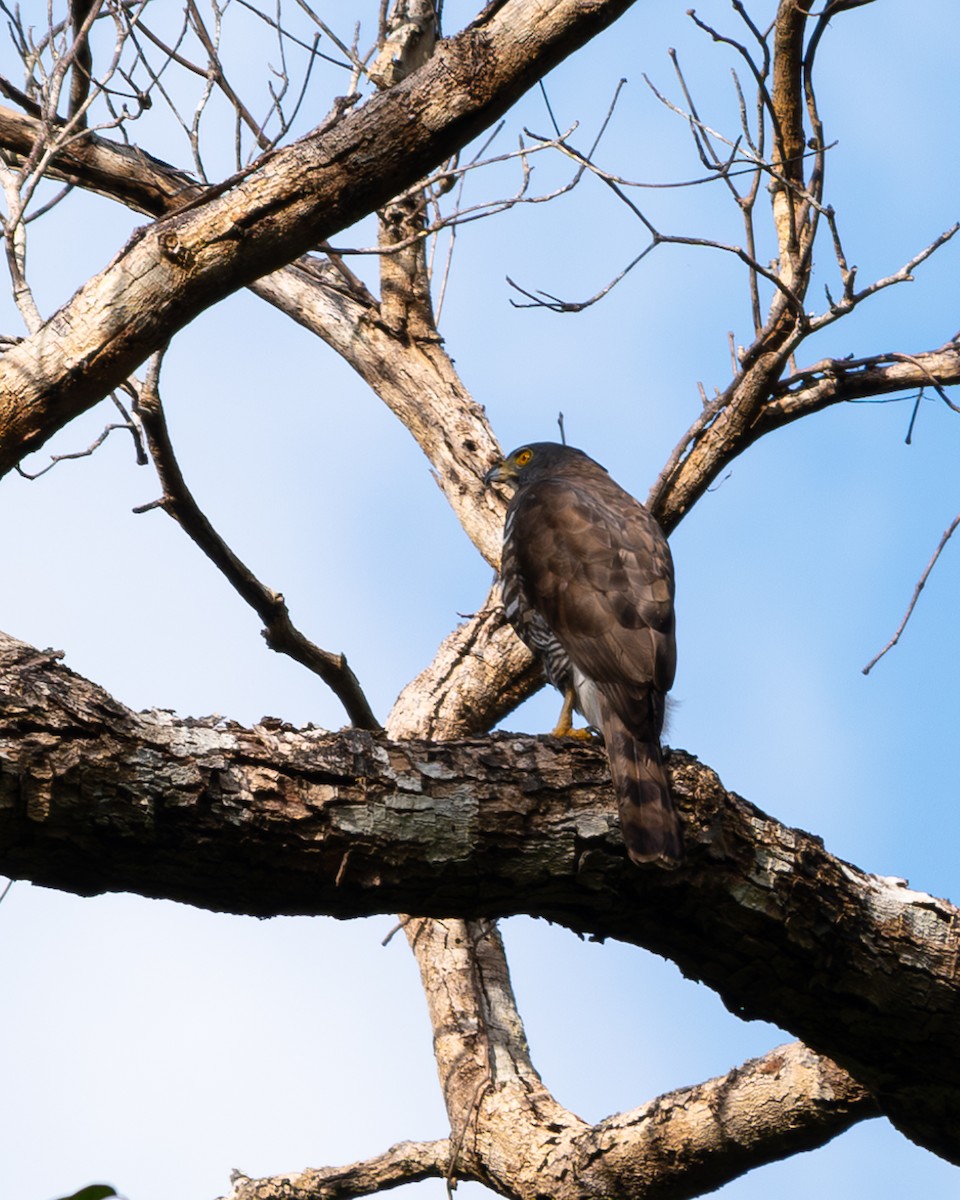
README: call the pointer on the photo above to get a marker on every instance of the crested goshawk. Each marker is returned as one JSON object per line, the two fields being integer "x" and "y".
{"x": 587, "y": 583}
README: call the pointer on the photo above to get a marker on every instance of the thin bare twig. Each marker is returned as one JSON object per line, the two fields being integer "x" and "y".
{"x": 128, "y": 423}
{"x": 903, "y": 275}
{"x": 292, "y": 37}
{"x": 947, "y": 535}
{"x": 543, "y": 299}
{"x": 933, "y": 381}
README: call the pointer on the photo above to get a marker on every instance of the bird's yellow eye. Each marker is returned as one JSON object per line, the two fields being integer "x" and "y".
{"x": 522, "y": 457}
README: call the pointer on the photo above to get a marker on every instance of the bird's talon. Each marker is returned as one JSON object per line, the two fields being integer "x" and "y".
{"x": 585, "y": 735}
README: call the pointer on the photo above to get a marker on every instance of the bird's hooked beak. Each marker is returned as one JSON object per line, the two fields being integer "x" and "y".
{"x": 500, "y": 472}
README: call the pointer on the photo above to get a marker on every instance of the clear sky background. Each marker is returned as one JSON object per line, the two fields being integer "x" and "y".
{"x": 156, "y": 1047}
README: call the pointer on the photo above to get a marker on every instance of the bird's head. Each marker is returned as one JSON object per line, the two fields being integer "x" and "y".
{"x": 534, "y": 459}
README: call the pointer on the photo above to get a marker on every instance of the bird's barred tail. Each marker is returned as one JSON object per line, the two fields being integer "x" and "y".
{"x": 650, "y": 825}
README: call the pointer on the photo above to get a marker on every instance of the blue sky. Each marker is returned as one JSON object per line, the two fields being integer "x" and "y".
{"x": 157, "y": 1047}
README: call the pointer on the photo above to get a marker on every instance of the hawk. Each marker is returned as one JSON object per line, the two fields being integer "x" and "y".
{"x": 587, "y": 583}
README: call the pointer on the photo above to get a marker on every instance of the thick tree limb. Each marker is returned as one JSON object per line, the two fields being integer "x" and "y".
{"x": 510, "y": 1133}
{"x": 274, "y": 820}
{"x": 291, "y": 200}
{"x": 691, "y": 1141}
{"x": 121, "y": 172}
{"x": 416, "y": 379}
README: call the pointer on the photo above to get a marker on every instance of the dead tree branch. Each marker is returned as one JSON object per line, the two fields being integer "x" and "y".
{"x": 509, "y": 1132}
{"x": 128, "y": 423}
{"x": 273, "y": 820}
{"x": 279, "y": 631}
{"x": 921, "y": 583}
{"x": 407, "y": 1162}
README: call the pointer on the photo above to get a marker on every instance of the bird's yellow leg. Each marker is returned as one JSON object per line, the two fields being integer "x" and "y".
{"x": 564, "y": 726}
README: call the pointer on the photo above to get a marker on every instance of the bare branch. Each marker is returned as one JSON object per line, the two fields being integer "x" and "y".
{"x": 407, "y": 1162}
{"x": 263, "y": 820}
{"x": 947, "y": 535}
{"x": 406, "y": 304}
{"x": 15, "y": 248}
{"x": 833, "y": 381}
{"x": 128, "y": 423}
{"x": 354, "y": 62}
{"x": 545, "y": 300}
{"x": 903, "y": 275}
{"x": 83, "y": 13}
{"x": 503, "y": 1119}
{"x": 279, "y": 632}
{"x": 284, "y": 34}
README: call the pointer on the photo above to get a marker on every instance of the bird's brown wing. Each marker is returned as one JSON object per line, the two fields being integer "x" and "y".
{"x": 598, "y": 568}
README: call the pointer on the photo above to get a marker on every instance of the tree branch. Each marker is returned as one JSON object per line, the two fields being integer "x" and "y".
{"x": 921, "y": 583}
{"x": 287, "y": 202}
{"x": 833, "y": 381}
{"x": 407, "y": 1162}
{"x": 416, "y": 380}
{"x": 272, "y": 820}
{"x": 279, "y": 632}
{"x": 510, "y": 1133}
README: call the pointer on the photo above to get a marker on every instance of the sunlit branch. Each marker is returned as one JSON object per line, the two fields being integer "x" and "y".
{"x": 407, "y": 1162}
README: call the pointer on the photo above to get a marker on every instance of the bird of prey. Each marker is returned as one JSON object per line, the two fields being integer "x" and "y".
{"x": 587, "y": 583}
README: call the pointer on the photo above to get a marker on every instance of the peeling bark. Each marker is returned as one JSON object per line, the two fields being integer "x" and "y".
{"x": 275, "y": 820}
{"x": 407, "y": 1162}
{"x": 510, "y": 1133}
{"x": 278, "y": 820}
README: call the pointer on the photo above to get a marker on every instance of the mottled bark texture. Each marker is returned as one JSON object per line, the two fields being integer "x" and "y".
{"x": 509, "y": 1132}
{"x": 290, "y": 201}
{"x": 278, "y": 820}
{"x": 275, "y": 820}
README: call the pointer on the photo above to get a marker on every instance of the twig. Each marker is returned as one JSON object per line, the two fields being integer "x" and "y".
{"x": 904, "y": 275}
{"x": 291, "y": 37}
{"x": 395, "y": 930}
{"x": 128, "y": 423}
{"x": 908, "y": 440}
{"x": 899, "y": 356}
{"x": 279, "y": 632}
{"x": 948, "y": 533}
{"x": 543, "y": 299}
{"x": 546, "y": 101}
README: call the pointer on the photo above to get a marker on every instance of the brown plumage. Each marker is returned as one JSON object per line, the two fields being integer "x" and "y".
{"x": 587, "y": 583}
